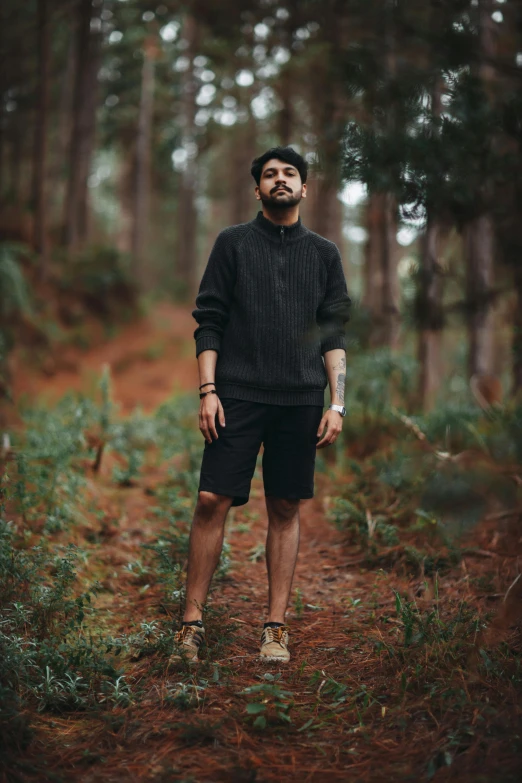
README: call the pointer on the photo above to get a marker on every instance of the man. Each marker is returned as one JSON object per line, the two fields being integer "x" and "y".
{"x": 272, "y": 304}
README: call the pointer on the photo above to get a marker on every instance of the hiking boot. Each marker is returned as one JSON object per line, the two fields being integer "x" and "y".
{"x": 188, "y": 640}
{"x": 274, "y": 644}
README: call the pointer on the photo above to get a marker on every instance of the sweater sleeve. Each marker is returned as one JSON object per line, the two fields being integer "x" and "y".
{"x": 334, "y": 310}
{"x": 214, "y": 296}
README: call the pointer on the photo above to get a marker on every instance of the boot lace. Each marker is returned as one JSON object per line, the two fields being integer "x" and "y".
{"x": 276, "y": 634}
{"x": 187, "y": 632}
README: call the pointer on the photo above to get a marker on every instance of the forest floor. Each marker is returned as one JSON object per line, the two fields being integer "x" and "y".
{"x": 359, "y": 700}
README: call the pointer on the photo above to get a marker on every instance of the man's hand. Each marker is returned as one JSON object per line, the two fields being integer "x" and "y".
{"x": 210, "y": 406}
{"x": 333, "y": 421}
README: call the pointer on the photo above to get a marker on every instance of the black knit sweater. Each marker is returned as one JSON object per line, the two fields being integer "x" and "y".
{"x": 271, "y": 302}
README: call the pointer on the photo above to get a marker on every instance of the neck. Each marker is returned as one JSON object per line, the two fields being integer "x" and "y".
{"x": 282, "y": 217}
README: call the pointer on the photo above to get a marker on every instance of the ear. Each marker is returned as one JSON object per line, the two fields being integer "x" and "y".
{"x": 256, "y": 191}
{"x": 303, "y": 191}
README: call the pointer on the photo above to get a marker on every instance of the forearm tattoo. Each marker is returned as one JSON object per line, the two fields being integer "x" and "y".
{"x": 341, "y": 378}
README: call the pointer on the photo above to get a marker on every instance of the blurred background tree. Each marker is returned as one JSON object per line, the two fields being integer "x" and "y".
{"x": 130, "y": 126}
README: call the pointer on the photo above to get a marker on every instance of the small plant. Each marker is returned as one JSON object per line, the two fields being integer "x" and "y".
{"x": 56, "y": 694}
{"x": 256, "y": 553}
{"x": 298, "y": 604}
{"x": 126, "y": 477}
{"x": 186, "y": 695}
{"x": 117, "y": 692}
{"x": 328, "y": 687}
{"x": 272, "y": 703}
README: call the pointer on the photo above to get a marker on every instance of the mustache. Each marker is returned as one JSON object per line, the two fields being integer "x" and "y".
{"x": 280, "y": 187}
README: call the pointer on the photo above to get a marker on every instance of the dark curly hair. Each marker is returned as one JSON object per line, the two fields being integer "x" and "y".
{"x": 287, "y": 155}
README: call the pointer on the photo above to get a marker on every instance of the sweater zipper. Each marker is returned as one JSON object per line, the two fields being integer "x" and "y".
{"x": 282, "y": 233}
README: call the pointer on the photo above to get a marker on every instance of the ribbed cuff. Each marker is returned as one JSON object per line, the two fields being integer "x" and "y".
{"x": 335, "y": 341}
{"x": 207, "y": 342}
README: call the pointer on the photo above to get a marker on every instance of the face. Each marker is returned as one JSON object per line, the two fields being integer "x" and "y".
{"x": 280, "y": 185}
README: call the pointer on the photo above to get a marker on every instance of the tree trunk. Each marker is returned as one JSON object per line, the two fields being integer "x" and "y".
{"x": 83, "y": 127}
{"x": 381, "y": 287}
{"x": 429, "y": 315}
{"x": 478, "y": 245}
{"x": 285, "y": 117}
{"x": 126, "y": 197}
{"x": 142, "y": 185}
{"x": 40, "y": 141}
{"x": 242, "y": 194}
{"x": 187, "y": 215}
{"x": 517, "y": 333}
{"x": 479, "y": 232}
{"x": 429, "y": 318}
{"x": 61, "y": 139}
{"x": 325, "y": 210}
{"x": 17, "y": 138}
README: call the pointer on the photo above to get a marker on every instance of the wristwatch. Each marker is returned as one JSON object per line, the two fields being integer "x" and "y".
{"x": 339, "y": 408}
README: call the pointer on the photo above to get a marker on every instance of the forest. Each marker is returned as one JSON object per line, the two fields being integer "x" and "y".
{"x": 127, "y": 132}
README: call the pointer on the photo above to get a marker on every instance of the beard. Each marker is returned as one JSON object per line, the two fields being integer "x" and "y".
{"x": 273, "y": 201}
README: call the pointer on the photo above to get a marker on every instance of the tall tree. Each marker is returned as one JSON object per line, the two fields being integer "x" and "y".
{"x": 40, "y": 138}
{"x": 429, "y": 306}
{"x": 143, "y": 157}
{"x": 88, "y": 49}
{"x": 187, "y": 214}
{"x": 479, "y": 231}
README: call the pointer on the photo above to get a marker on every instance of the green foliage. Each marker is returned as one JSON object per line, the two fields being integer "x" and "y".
{"x": 271, "y": 704}
{"x": 15, "y": 302}
{"x": 46, "y": 653}
{"x": 429, "y": 628}
{"x": 100, "y": 280}
{"x": 15, "y": 297}
{"x": 360, "y": 525}
{"x": 47, "y": 476}
{"x": 298, "y": 604}
{"x": 373, "y": 379}
{"x": 186, "y": 695}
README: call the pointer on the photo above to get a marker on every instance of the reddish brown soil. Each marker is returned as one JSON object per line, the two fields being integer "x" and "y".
{"x": 149, "y": 360}
{"x": 392, "y": 739}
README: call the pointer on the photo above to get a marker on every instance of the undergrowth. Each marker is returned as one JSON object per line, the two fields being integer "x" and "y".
{"x": 406, "y": 507}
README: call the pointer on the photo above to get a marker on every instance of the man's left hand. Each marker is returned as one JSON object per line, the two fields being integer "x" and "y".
{"x": 333, "y": 421}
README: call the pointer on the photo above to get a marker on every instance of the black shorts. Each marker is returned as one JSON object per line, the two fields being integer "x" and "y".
{"x": 289, "y": 436}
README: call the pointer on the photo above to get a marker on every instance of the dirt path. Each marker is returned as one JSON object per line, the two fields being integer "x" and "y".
{"x": 150, "y": 360}
{"x": 355, "y": 712}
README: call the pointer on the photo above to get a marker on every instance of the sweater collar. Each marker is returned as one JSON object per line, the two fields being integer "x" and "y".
{"x": 273, "y": 230}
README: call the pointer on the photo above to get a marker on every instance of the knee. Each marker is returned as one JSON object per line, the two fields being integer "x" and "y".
{"x": 281, "y": 510}
{"x": 210, "y": 505}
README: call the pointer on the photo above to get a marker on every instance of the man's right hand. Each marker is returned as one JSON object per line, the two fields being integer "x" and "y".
{"x": 210, "y": 406}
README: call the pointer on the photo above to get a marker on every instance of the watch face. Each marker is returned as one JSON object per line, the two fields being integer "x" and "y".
{"x": 343, "y": 412}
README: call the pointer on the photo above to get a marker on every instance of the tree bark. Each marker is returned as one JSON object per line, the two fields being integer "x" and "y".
{"x": 285, "y": 117}
{"x": 381, "y": 286}
{"x": 429, "y": 315}
{"x": 187, "y": 215}
{"x": 126, "y": 196}
{"x": 478, "y": 245}
{"x": 40, "y": 141}
{"x": 83, "y": 128}
{"x": 17, "y": 138}
{"x": 479, "y": 231}
{"x": 242, "y": 195}
{"x": 517, "y": 333}
{"x": 142, "y": 185}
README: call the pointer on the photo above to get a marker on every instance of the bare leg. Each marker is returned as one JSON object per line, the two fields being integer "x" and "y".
{"x": 282, "y": 546}
{"x": 205, "y": 545}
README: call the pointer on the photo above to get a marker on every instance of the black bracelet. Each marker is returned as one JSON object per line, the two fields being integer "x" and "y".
{"x": 210, "y": 383}
{"x": 204, "y": 394}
